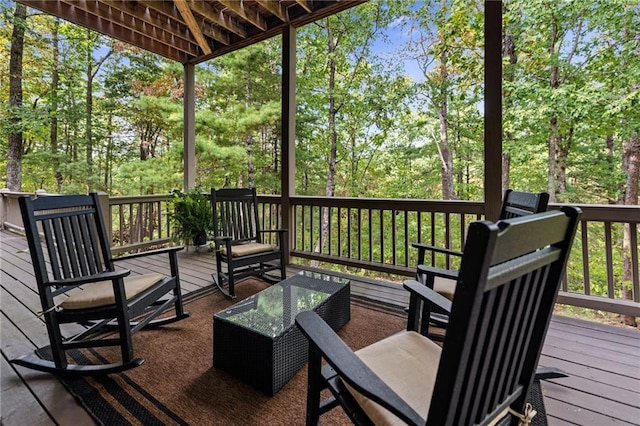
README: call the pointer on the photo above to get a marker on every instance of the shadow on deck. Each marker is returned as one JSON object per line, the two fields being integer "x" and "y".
{"x": 603, "y": 361}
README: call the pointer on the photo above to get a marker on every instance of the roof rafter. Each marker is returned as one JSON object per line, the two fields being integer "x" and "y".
{"x": 275, "y": 7}
{"x": 306, "y": 4}
{"x": 190, "y": 31}
{"x": 245, "y": 13}
{"x": 185, "y": 11}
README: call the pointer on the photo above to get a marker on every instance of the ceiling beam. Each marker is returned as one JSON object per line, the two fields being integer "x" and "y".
{"x": 275, "y": 7}
{"x": 247, "y": 14}
{"x": 126, "y": 20}
{"x": 170, "y": 12}
{"x": 153, "y": 18}
{"x": 185, "y": 11}
{"x": 219, "y": 18}
{"x": 101, "y": 25}
{"x": 306, "y": 4}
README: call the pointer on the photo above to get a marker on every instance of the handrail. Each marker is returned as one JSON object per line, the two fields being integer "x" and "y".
{"x": 372, "y": 236}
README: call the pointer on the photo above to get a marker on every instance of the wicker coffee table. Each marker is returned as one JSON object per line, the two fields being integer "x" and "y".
{"x": 257, "y": 339}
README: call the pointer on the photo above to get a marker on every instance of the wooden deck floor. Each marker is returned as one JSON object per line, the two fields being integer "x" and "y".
{"x": 603, "y": 361}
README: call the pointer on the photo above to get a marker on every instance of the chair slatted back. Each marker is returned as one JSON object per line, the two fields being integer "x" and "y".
{"x": 73, "y": 237}
{"x": 500, "y": 314}
{"x": 518, "y": 203}
{"x": 235, "y": 214}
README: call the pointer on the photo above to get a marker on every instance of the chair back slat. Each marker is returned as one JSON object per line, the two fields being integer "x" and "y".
{"x": 517, "y": 203}
{"x": 501, "y": 310}
{"x": 235, "y": 213}
{"x": 72, "y": 242}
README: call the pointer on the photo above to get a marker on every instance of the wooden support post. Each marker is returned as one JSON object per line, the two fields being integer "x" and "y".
{"x": 189, "y": 127}
{"x": 288, "y": 154}
{"x": 492, "y": 108}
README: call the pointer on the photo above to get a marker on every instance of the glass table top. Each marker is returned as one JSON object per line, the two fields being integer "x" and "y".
{"x": 273, "y": 310}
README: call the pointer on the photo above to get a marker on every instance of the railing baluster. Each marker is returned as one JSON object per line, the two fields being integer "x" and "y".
{"x": 585, "y": 259}
{"x": 609, "y": 256}
{"x": 447, "y": 238}
{"x": 635, "y": 279}
{"x": 370, "y": 236}
{"x": 349, "y": 232}
{"x": 359, "y": 234}
{"x": 433, "y": 238}
{"x": 406, "y": 238}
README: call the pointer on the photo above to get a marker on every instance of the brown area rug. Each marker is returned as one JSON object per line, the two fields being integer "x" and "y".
{"x": 177, "y": 384}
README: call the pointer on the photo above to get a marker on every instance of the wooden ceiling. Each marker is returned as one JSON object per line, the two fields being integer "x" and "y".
{"x": 190, "y": 31}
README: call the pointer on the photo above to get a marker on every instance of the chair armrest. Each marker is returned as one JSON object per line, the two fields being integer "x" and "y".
{"x": 437, "y": 272}
{"x": 424, "y": 247}
{"x": 350, "y": 368}
{"x": 102, "y": 276}
{"x": 221, "y": 240}
{"x": 264, "y": 231}
{"x": 149, "y": 253}
{"x": 427, "y": 295}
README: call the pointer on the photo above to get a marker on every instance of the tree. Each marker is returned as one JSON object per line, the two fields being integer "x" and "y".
{"x": 445, "y": 44}
{"x": 337, "y": 91}
{"x": 15, "y": 149}
{"x": 241, "y": 111}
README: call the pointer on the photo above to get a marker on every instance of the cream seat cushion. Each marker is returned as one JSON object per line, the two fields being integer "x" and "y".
{"x": 408, "y": 363}
{"x": 445, "y": 287}
{"x": 240, "y": 250}
{"x": 101, "y": 293}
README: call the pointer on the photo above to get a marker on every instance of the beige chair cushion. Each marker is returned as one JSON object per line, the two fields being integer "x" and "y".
{"x": 101, "y": 293}
{"x": 408, "y": 363}
{"x": 445, "y": 287}
{"x": 240, "y": 250}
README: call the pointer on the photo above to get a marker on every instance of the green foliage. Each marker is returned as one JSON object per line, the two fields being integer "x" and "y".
{"x": 190, "y": 216}
{"x": 387, "y": 57}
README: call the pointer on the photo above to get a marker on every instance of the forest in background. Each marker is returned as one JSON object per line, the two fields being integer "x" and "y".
{"x": 389, "y": 104}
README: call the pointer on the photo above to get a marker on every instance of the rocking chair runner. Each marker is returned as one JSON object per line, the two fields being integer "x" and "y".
{"x": 500, "y": 314}
{"x": 78, "y": 283}
{"x": 239, "y": 242}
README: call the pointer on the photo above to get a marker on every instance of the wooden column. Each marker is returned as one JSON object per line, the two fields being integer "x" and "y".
{"x": 492, "y": 108}
{"x": 189, "y": 106}
{"x": 288, "y": 136}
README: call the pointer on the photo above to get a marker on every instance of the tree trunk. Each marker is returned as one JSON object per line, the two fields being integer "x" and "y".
{"x": 631, "y": 161}
{"x": 446, "y": 159}
{"x": 53, "y": 132}
{"x": 89, "y": 113}
{"x": 554, "y": 82}
{"x": 15, "y": 143}
{"x": 563, "y": 147}
{"x": 551, "y": 173}
{"x": 506, "y": 169}
{"x": 333, "y": 142}
{"x": 249, "y": 135}
{"x": 509, "y": 51}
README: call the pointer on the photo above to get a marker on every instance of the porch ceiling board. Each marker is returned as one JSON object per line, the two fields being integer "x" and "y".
{"x": 190, "y": 31}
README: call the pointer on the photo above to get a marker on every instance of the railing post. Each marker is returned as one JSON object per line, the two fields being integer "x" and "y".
{"x": 3, "y": 207}
{"x": 105, "y": 206}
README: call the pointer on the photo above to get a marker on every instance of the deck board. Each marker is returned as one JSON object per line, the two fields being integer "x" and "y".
{"x": 603, "y": 360}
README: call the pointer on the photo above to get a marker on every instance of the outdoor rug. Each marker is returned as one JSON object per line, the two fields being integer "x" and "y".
{"x": 178, "y": 385}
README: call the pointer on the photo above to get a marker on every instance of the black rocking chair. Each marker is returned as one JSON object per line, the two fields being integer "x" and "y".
{"x": 443, "y": 281}
{"x": 507, "y": 286}
{"x": 239, "y": 241}
{"x": 78, "y": 283}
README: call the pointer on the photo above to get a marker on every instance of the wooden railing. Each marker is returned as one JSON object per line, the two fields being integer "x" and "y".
{"x": 138, "y": 222}
{"x": 373, "y": 237}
